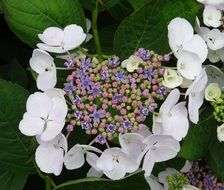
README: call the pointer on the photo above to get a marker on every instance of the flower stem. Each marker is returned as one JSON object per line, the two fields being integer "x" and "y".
{"x": 95, "y": 31}
{"x": 64, "y": 69}
{"x": 47, "y": 183}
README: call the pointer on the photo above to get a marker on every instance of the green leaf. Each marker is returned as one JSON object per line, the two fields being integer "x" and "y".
{"x": 133, "y": 182}
{"x": 14, "y": 72}
{"x": 215, "y": 157}
{"x": 103, "y": 4}
{"x": 27, "y": 18}
{"x": 137, "y": 3}
{"x": 12, "y": 181}
{"x": 196, "y": 143}
{"x": 15, "y": 148}
{"x": 121, "y": 10}
{"x": 106, "y": 37}
{"x": 147, "y": 27}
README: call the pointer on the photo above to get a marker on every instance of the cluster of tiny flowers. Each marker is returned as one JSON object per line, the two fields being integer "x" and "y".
{"x": 176, "y": 181}
{"x": 201, "y": 176}
{"x": 108, "y": 100}
{"x": 219, "y": 109}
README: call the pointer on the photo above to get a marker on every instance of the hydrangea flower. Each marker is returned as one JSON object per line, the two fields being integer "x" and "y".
{"x": 75, "y": 157}
{"x": 212, "y": 92}
{"x": 49, "y": 155}
{"x": 159, "y": 148}
{"x": 172, "y": 119}
{"x": 43, "y": 64}
{"x": 212, "y": 16}
{"x": 172, "y": 79}
{"x": 45, "y": 116}
{"x": 132, "y": 63}
{"x": 57, "y": 40}
{"x": 115, "y": 163}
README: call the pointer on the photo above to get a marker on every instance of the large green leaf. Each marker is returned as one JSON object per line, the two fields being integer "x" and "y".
{"x": 14, "y": 72}
{"x": 103, "y": 4}
{"x": 215, "y": 157}
{"x": 147, "y": 27}
{"x": 137, "y": 3}
{"x": 27, "y": 18}
{"x": 196, "y": 143}
{"x": 15, "y": 148}
{"x": 133, "y": 182}
{"x": 12, "y": 181}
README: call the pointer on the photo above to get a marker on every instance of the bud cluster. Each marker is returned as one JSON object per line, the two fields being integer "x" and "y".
{"x": 219, "y": 108}
{"x": 107, "y": 99}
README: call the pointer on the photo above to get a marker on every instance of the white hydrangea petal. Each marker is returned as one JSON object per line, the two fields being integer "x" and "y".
{"x": 38, "y": 105}
{"x": 132, "y": 143}
{"x": 130, "y": 164}
{"x": 215, "y": 39}
{"x": 175, "y": 123}
{"x": 59, "y": 110}
{"x": 213, "y": 56}
{"x": 91, "y": 158}
{"x": 53, "y": 49}
{"x": 47, "y": 80}
{"x": 153, "y": 184}
{"x": 52, "y": 36}
{"x": 73, "y": 37}
{"x": 145, "y": 132}
{"x": 89, "y": 148}
{"x": 55, "y": 92}
{"x": 180, "y": 31}
{"x": 220, "y": 133}
{"x": 215, "y": 75}
{"x": 186, "y": 168}
{"x": 52, "y": 130}
{"x": 198, "y": 46}
{"x": 157, "y": 127}
{"x": 94, "y": 173}
{"x": 211, "y": 2}
{"x": 148, "y": 163}
{"x": 40, "y": 60}
{"x": 189, "y": 65}
{"x": 212, "y": 16}
{"x": 105, "y": 161}
{"x": 74, "y": 158}
{"x": 31, "y": 126}
{"x": 202, "y": 31}
{"x": 170, "y": 101}
{"x": 117, "y": 173}
{"x": 49, "y": 159}
{"x": 195, "y": 102}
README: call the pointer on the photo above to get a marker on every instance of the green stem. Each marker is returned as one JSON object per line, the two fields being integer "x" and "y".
{"x": 86, "y": 53}
{"x": 95, "y": 31}
{"x": 47, "y": 183}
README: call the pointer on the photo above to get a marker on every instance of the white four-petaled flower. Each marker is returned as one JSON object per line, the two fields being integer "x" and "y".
{"x": 115, "y": 163}
{"x": 57, "y": 40}
{"x": 45, "y": 116}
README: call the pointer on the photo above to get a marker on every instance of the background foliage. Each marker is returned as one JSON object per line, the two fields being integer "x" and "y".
{"x": 124, "y": 26}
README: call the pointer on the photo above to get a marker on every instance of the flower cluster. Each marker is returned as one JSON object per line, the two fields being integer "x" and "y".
{"x": 111, "y": 98}
{"x": 107, "y": 99}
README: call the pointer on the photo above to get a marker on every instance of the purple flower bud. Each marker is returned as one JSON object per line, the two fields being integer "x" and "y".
{"x": 111, "y": 127}
{"x": 101, "y": 139}
{"x": 127, "y": 124}
{"x": 86, "y": 125}
{"x": 113, "y": 62}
